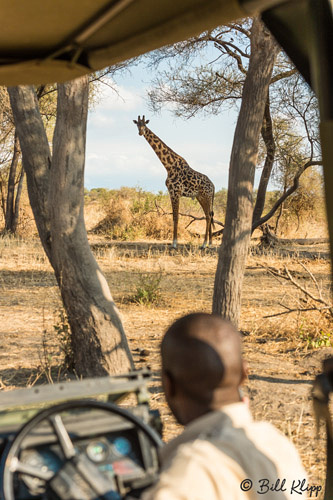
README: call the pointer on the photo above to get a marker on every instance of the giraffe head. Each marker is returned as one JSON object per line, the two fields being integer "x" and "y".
{"x": 141, "y": 123}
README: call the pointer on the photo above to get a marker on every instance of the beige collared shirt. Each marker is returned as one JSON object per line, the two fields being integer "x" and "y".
{"x": 224, "y": 453}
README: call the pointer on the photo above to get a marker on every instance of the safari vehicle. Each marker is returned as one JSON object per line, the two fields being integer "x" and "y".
{"x": 87, "y": 448}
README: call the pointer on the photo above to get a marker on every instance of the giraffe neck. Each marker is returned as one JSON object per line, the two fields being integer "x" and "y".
{"x": 166, "y": 155}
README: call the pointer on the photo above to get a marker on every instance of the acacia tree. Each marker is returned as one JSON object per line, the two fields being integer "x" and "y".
{"x": 237, "y": 232}
{"x": 219, "y": 84}
{"x": 56, "y": 192}
{"x": 251, "y": 84}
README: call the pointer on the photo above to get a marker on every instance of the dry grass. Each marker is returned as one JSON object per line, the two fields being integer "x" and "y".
{"x": 281, "y": 363}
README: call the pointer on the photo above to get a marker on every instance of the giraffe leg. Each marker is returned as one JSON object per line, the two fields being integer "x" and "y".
{"x": 207, "y": 233}
{"x": 205, "y": 204}
{"x": 211, "y": 224}
{"x": 175, "y": 215}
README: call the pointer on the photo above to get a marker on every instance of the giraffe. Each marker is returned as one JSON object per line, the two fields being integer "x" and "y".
{"x": 182, "y": 180}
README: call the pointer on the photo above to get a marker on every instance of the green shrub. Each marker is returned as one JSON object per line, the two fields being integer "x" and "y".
{"x": 133, "y": 214}
{"x": 321, "y": 339}
{"x": 148, "y": 289}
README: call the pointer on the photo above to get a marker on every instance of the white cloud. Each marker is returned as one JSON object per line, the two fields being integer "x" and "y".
{"x": 101, "y": 119}
{"x": 118, "y": 156}
{"x": 114, "y": 164}
{"x": 117, "y": 98}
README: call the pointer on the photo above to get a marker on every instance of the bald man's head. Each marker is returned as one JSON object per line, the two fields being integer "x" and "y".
{"x": 201, "y": 354}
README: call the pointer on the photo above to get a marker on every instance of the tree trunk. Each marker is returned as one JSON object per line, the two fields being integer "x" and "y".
{"x": 36, "y": 156}
{"x": 279, "y": 215}
{"x": 17, "y": 202}
{"x": 56, "y": 188}
{"x": 10, "y": 226}
{"x": 99, "y": 341}
{"x": 237, "y": 232}
{"x": 267, "y": 135}
{"x": 3, "y": 191}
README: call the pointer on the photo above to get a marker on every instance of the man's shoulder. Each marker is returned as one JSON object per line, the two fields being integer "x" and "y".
{"x": 255, "y": 445}
{"x": 270, "y": 436}
{"x": 230, "y": 427}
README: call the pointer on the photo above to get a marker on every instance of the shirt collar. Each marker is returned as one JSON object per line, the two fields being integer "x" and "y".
{"x": 235, "y": 414}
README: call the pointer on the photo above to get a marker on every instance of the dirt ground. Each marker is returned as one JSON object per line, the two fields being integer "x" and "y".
{"x": 278, "y": 348}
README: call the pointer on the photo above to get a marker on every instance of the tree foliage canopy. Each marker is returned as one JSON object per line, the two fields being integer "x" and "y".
{"x": 207, "y": 72}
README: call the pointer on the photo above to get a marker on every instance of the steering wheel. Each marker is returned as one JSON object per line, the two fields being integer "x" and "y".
{"x": 77, "y": 461}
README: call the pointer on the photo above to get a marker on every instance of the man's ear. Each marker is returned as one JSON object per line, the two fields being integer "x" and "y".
{"x": 168, "y": 384}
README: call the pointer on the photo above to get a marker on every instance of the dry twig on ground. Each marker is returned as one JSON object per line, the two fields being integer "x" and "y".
{"x": 309, "y": 300}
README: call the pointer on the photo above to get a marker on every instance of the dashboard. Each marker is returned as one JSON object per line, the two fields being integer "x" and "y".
{"x": 120, "y": 452}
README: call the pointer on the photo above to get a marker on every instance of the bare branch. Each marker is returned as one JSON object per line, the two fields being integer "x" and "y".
{"x": 304, "y": 290}
{"x": 284, "y": 74}
{"x": 285, "y": 195}
{"x": 193, "y": 217}
{"x": 313, "y": 278}
{"x": 297, "y": 309}
{"x": 325, "y": 304}
{"x": 230, "y": 49}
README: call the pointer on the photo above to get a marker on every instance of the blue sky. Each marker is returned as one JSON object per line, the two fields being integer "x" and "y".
{"x": 117, "y": 156}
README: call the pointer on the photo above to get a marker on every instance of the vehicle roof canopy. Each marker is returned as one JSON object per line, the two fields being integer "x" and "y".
{"x": 44, "y": 41}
